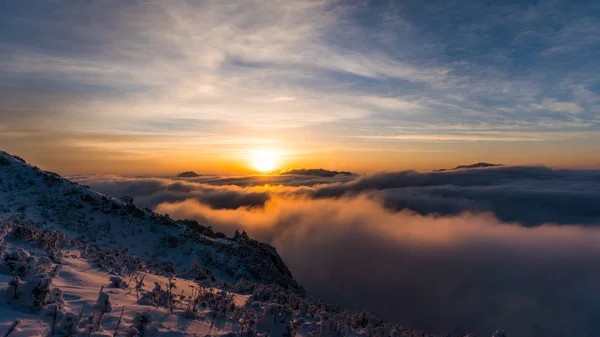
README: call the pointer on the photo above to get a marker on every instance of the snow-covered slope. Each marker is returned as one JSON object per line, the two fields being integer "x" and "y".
{"x": 53, "y": 286}
{"x": 76, "y": 287}
{"x": 52, "y": 202}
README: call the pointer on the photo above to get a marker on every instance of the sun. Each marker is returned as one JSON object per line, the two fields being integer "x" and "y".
{"x": 264, "y": 160}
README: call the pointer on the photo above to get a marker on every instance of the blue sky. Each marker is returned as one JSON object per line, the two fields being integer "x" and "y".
{"x": 120, "y": 84}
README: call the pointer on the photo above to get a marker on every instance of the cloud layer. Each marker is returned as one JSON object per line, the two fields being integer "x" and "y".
{"x": 528, "y": 195}
{"x": 443, "y": 251}
{"x": 457, "y": 273}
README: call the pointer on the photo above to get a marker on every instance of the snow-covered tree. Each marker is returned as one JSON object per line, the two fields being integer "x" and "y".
{"x": 103, "y": 306}
{"x": 117, "y": 282}
{"x": 142, "y": 323}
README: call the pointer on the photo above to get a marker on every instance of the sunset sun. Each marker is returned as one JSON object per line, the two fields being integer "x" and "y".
{"x": 264, "y": 160}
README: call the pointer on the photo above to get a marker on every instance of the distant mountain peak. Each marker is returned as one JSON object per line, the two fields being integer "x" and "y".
{"x": 477, "y": 165}
{"x": 471, "y": 166}
{"x": 188, "y": 174}
{"x": 315, "y": 172}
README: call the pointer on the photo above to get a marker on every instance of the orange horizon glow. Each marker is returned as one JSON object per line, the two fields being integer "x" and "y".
{"x": 265, "y": 160}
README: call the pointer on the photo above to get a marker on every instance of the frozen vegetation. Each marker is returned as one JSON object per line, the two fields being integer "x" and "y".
{"x": 74, "y": 262}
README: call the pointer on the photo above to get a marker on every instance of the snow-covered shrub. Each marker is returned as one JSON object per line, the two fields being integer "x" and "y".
{"x": 161, "y": 267}
{"x": 158, "y": 297}
{"x": 33, "y": 294}
{"x": 57, "y": 296}
{"x": 41, "y": 293}
{"x": 43, "y": 265}
{"x": 196, "y": 272}
{"x": 277, "y": 313}
{"x": 67, "y": 325}
{"x": 54, "y": 313}
{"x": 117, "y": 282}
{"x": 162, "y": 297}
{"x": 139, "y": 285}
{"x": 133, "y": 264}
{"x": 132, "y": 332}
{"x": 276, "y": 318}
{"x": 20, "y": 255}
{"x": 48, "y": 239}
{"x": 103, "y": 306}
{"x": 14, "y": 284}
{"x": 290, "y": 330}
{"x": 114, "y": 261}
{"x": 142, "y": 324}
{"x": 88, "y": 330}
{"x": 3, "y": 234}
{"x": 56, "y": 256}
{"x": 173, "y": 298}
{"x": 18, "y": 263}
{"x": 247, "y": 322}
{"x": 244, "y": 287}
{"x": 56, "y": 270}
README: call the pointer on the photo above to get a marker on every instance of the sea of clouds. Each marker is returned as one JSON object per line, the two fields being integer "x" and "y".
{"x": 457, "y": 251}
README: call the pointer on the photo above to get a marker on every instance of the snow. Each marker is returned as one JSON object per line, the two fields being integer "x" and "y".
{"x": 81, "y": 281}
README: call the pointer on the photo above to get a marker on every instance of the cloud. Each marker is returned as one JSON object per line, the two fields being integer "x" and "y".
{"x": 392, "y": 103}
{"x": 528, "y": 195}
{"x": 574, "y": 36}
{"x": 150, "y": 192}
{"x": 456, "y": 251}
{"x": 469, "y": 272}
{"x": 556, "y": 106}
{"x": 217, "y": 192}
{"x": 465, "y": 137}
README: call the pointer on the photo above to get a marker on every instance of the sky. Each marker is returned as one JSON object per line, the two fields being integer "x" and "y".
{"x": 132, "y": 87}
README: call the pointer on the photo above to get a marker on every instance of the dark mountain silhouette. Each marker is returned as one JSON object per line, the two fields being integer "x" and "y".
{"x": 188, "y": 174}
{"x": 472, "y": 166}
{"x": 315, "y": 172}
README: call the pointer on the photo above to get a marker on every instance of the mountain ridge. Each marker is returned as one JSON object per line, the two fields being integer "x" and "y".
{"x": 471, "y": 166}
{"x": 188, "y": 174}
{"x": 315, "y": 172}
{"x": 52, "y": 202}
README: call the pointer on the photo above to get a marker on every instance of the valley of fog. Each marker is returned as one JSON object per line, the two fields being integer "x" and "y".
{"x": 458, "y": 251}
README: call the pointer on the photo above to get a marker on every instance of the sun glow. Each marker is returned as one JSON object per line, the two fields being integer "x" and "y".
{"x": 264, "y": 160}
